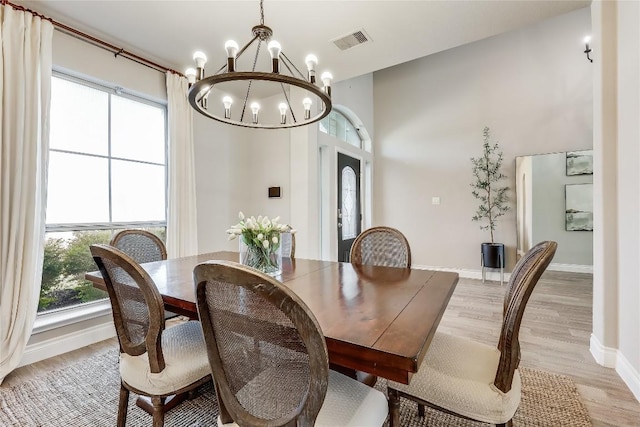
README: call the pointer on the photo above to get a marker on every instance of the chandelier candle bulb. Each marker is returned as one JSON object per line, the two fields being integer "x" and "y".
{"x": 232, "y": 51}
{"x": 190, "y": 73}
{"x": 200, "y": 59}
{"x": 227, "y": 102}
{"x": 326, "y": 81}
{"x": 307, "y": 108}
{"x": 274, "y": 50}
{"x": 311, "y": 61}
{"x": 283, "y": 112}
{"x": 255, "y": 107}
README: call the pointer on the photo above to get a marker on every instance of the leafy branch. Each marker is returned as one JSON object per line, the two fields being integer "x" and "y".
{"x": 487, "y": 171}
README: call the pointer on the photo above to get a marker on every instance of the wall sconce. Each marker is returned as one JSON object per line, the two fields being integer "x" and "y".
{"x": 587, "y": 49}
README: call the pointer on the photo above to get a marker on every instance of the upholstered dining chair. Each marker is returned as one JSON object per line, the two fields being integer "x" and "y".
{"x": 269, "y": 357}
{"x": 474, "y": 380}
{"x": 140, "y": 245}
{"x": 382, "y": 246}
{"x": 154, "y": 361}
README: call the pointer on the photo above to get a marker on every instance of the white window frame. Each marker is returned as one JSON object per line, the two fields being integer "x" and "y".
{"x": 64, "y": 316}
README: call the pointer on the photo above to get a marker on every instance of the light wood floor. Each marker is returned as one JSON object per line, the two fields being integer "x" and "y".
{"x": 554, "y": 337}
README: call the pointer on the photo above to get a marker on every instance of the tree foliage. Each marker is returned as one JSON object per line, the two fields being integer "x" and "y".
{"x": 65, "y": 262}
{"x": 77, "y": 258}
{"x": 493, "y": 197}
{"x": 52, "y": 267}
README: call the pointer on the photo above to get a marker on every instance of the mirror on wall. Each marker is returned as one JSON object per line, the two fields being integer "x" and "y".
{"x": 554, "y": 201}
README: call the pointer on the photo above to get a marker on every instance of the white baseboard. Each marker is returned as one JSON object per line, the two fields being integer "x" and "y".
{"x": 65, "y": 343}
{"x": 571, "y": 268}
{"x": 612, "y": 358}
{"x": 490, "y": 274}
{"x": 605, "y": 356}
{"x": 629, "y": 375}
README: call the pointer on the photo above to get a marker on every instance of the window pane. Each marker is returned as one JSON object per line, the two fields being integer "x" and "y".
{"x": 352, "y": 136}
{"x": 323, "y": 125}
{"x": 137, "y": 130}
{"x": 78, "y": 189}
{"x": 66, "y": 259}
{"x": 79, "y": 118}
{"x": 138, "y": 191}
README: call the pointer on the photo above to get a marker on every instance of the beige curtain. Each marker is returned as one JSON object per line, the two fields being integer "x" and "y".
{"x": 182, "y": 227}
{"x": 25, "y": 84}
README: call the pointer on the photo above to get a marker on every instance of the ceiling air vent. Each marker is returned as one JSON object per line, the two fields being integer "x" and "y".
{"x": 355, "y": 38}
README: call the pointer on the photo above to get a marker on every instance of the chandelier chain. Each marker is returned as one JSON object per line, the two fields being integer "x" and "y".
{"x": 261, "y": 12}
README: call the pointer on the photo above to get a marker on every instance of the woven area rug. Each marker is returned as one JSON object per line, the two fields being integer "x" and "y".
{"x": 86, "y": 394}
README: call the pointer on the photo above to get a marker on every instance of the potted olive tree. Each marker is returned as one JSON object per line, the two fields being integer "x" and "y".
{"x": 493, "y": 197}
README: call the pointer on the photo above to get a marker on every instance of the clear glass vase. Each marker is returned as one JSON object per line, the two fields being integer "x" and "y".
{"x": 268, "y": 260}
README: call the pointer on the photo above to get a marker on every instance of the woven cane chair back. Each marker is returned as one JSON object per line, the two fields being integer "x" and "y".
{"x": 288, "y": 244}
{"x": 265, "y": 347}
{"x": 140, "y": 245}
{"x": 136, "y": 303}
{"x": 523, "y": 280}
{"x": 381, "y": 246}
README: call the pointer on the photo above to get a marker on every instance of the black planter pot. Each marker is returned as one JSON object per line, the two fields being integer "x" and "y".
{"x": 492, "y": 256}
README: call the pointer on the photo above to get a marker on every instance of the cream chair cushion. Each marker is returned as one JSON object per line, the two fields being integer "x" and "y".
{"x": 185, "y": 357}
{"x": 458, "y": 374}
{"x": 348, "y": 403}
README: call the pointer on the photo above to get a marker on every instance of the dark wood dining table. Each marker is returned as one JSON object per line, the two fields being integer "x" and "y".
{"x": 378, "y": 320}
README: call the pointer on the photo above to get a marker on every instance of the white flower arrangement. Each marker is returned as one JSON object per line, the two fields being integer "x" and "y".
{"x": 261, "y": 235}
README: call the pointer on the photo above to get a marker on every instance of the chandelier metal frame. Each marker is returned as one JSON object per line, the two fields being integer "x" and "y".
{"x": 200, "y": 90}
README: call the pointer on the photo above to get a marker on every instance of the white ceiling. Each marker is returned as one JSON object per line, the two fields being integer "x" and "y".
{"x": 168, "y": 32}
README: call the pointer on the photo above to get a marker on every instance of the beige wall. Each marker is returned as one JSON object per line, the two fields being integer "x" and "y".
{"x": 532, "y": 87}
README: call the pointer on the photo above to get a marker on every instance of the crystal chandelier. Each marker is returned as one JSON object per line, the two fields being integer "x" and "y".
{"x": 230, "y": 96}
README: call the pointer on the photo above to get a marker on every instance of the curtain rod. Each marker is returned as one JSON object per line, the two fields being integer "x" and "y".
{"x": 117, "y": 51}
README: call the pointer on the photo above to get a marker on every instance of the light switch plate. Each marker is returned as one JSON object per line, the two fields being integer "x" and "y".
{"x": 435, "y": 200}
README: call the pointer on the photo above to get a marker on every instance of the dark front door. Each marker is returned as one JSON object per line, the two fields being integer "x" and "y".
{"x": 349, "y": 215}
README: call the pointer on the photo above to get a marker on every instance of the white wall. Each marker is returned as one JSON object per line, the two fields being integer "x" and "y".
{"x": 79, "y": 57}
{"x": 532, "y": 87}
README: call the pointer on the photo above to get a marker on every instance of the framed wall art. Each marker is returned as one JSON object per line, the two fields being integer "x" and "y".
{"x": 579, "y": 207}
{"x": 579, "y": 162}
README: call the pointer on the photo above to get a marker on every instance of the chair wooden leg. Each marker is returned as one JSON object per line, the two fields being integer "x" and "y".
{"x": 394, "y": 408}
{"x": 158, "y": 411}
{"x": 507, "y": 424}
{"x": 224, "y": 416}
{"x": 123, "y": 405}
{"x": 421, "y": 410}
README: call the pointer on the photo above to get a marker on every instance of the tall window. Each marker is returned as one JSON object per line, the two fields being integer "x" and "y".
{"x": 107, "y": 171}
